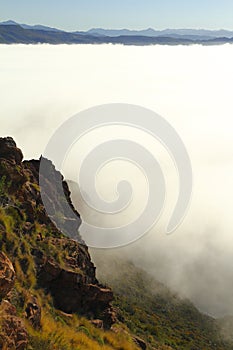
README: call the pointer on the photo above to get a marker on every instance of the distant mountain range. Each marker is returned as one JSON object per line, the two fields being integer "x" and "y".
{"x": 26, "y": 26}
{"x": 12, "y": 32}
{"x": 175, "y": 33}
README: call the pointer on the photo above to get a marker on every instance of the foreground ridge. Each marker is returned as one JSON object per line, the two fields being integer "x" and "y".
{"x": 48, "y": 282}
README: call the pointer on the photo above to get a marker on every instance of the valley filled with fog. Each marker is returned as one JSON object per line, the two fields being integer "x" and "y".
{"x": 191, "y": 87}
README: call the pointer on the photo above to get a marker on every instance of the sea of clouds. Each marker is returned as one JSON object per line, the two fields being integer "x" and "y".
{"x": 41, "y": 86}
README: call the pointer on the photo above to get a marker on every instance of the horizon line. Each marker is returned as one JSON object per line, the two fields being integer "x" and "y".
{"x": 123, "y": 28}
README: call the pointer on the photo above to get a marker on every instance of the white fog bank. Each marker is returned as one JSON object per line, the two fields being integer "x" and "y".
{"x": 191, "y": 86}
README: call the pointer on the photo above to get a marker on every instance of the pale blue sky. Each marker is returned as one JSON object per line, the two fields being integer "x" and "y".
{"x": 133, "y": 14}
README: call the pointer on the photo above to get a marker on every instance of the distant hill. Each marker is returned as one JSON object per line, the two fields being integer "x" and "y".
{"x": 12, "y": 33}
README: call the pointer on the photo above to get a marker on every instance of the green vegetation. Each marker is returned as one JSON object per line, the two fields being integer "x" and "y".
{"x": 67, "y": 333}
{"x": 159, "y": 317}
{"x": 4, "y": 186}
{"x": 58, "y": 330}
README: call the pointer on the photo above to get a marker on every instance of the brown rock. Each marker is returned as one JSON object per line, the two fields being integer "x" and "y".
{"x": 7, "y": 275}
{"x": 7, "y": 308}
{"x": 97, "y": 323}
{"x": 15, "y": 176}
{"x": 70, "y": 291}
{"x": 13, "y": 333}
{"x": 33, "y": 312}
{"x": 74, "y": 286}
{"x": 8, "y": 150}
{"x": 63, "y": 267}
{"x": 49, "y": 271}
{"x": 140, "y": 343}
{"x": 109, "y": 317}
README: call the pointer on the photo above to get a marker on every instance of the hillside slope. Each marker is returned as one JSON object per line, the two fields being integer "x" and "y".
{"x": 50, "y": 296}
{"x": 157, "y": 315}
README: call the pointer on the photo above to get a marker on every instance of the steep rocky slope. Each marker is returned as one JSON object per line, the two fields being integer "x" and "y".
{"x": 48, "y": 285}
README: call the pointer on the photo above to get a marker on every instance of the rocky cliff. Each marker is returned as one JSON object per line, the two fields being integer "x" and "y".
{"x": 44, "y": 275}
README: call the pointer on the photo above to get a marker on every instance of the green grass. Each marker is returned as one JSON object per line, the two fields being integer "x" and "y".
{"x": 158, "y": 316}
{"x": 58, "y": 331}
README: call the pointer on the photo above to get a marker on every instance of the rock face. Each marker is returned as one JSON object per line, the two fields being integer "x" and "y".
{"x": 55, "y": 190}
{"x": 7, "y": 275}
{"x": 10, "y": 151}
{"x": 140, "y": 343}
{"x": 13, "y": 334}
{"x": 74, "y": 286}
{"x": 33, "y": 312}
{"x": 61, "y": 265}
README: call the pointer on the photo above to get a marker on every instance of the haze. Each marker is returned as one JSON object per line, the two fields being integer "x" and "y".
{"x": 42, "y": 86}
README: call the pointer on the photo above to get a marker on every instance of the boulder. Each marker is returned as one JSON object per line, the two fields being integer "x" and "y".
{"x": 9, "y": 150}
{"x": 7, "y": 275}
{"x": 140, "y": 342}
{"x": 13, "y": 333}
{"x": 73, "y": 285}
{"x": 33, "y": 312}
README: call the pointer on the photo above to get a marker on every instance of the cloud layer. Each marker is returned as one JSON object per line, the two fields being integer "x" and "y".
{"x": 41, "y": 86}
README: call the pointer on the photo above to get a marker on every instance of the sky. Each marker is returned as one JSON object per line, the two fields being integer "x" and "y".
{"x": 132, "y": 14}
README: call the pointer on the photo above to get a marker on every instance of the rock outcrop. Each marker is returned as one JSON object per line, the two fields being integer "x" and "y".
{"x": 13, "y": 334}
{"x": 74, "y": 286}
{"x": 33, "y": 312}
{"x": 10, "y": 151}
{"x": 7, "y": 275}
{"x": 140, "y": 342}
{"x": 61, "y": 265}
